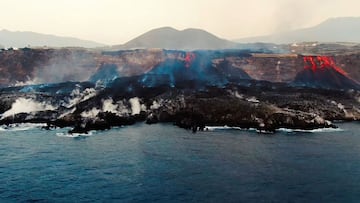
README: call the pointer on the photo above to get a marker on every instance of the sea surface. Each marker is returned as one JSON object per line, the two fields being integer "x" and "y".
{"x": 163, "y": 163}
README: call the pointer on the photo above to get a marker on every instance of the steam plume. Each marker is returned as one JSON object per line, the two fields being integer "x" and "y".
{"x": 135, "y": 106}
{"x": 23, "y": 105}
{"x": 109, "y": 106}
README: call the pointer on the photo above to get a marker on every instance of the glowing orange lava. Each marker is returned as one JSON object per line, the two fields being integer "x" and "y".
{"x": 321, "y": 62}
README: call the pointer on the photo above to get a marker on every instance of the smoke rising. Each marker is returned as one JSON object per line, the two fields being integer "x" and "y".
{"x": 294, "y": 14}
{"x": 65, "y": 65}
{"x": 24, "y": 105}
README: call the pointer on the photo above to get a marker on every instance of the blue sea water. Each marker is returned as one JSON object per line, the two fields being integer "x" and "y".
{"x": 163, "y": 163}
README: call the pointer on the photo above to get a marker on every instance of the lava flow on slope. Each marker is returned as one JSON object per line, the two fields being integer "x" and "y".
{"x": 322, "y": 72}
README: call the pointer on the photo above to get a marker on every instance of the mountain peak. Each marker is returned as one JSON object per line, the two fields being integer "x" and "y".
{"x": 26, "y": 38}
{"x": 340, "y": 29}
{"x": 342, "y": 19}
{"x": 166, "y": 28}
{"x": 171, "y": 38}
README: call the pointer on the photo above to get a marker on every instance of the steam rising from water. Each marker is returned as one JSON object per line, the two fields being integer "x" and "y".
{"x": 24, "y": 105}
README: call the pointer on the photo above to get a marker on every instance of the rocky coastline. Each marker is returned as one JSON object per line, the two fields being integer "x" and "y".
{"x": 190, "y": 89}
{"x": 263, "y": 106}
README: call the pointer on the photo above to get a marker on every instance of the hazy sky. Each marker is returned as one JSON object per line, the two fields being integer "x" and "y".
{"x": 117, "y": 21}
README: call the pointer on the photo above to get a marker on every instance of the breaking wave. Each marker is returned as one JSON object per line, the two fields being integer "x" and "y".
{"x": 215, "y": 128}
{"x": 286, "y": 130}
{"x": 319, "y": 130}
{"x": 21, "y": 126}
{"x": 75, "y": 135}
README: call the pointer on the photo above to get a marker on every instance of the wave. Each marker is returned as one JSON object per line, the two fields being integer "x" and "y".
{"x": 287, "y": 130}
{"x": 75, "y": 135}
{"x": 214, "y": 128}
{"x": 21, "y": 126}
{"x": 318, "y": 130}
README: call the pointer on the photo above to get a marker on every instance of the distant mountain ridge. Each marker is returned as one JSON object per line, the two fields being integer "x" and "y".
{"x": 342, "y": 29}
{"x": 24, "y": 39}
{"x": 170, "y": 38}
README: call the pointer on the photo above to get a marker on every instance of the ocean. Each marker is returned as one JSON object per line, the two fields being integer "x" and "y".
{"x": 163, "y": 163}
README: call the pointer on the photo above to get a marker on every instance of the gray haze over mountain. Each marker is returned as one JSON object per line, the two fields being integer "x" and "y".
{"x": 170, "y": 38}
{"x": 345, "y": 29}
{"x": 32, "y": 39}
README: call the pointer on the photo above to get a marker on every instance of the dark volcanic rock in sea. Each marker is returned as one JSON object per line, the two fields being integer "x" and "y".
{"x": 322, "y": 72}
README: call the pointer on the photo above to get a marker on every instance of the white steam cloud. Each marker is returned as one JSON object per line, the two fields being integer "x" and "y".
{"x": 108, "y": 106}
{"x": 156, "y": 105}
{"x": 119, "y": 108}
{"x": 135, "y": 106}
{"x": 29, "y": 81}
{"x": 24, "y": 105}
{"x": 90, "y": 114}
{"x": 77, "y": 96}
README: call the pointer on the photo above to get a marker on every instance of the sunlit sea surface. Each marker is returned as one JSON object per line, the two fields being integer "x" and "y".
{"x": 163, "y": 163}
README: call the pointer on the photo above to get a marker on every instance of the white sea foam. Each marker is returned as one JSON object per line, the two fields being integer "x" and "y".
{"x": 21, "y": 126}
{"x": 74, "y": 135}
{"x": 318, "y": 130}
{"x": 214, "y": 128}
{"x": 24, "y": 105}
